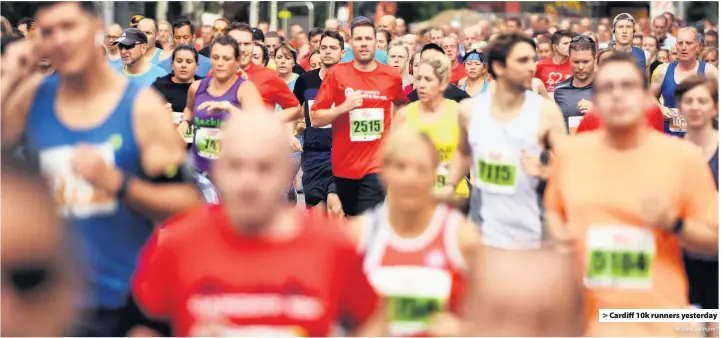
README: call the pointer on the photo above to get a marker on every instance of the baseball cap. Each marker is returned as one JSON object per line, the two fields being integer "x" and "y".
{"x": 622, "y": 17}
{"x": 258, "y": 35}
{"x": 135, "y": 19}
{"x": 130, "y": 37}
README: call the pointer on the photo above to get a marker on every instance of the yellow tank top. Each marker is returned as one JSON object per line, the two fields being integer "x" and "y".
{"x": 444, "y": 132}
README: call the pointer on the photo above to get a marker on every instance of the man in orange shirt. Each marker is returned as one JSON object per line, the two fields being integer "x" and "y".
{"x": 630, "y": 206}
{"x": 358, "y": 99}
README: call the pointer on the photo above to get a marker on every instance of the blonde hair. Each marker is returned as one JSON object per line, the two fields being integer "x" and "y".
{"x": 404, "y": 137}
{"x": 440, "y": 64}
{"x": 399, "y": 43}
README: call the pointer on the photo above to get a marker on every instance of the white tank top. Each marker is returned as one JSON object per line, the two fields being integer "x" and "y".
{"x": 510, "y": 206}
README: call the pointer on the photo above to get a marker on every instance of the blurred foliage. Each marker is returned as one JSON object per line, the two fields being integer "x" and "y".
{"x": 413, "y": 11}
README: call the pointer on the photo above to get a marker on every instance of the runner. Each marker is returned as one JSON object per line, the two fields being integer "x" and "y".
{"x": 451, "y": 49}
{"x": 504, "y": 133}
{"x": 314, "y": 40}
{"x": 150, "y": 28}
{"x": 574, "y": 94}
{"x": 260, "y": 54}
{"x": 174, "y": 86}
{"x": 220, "y": 292}
{"x": 183, "y": 34}
{"x": 667, "y": 76}
{"x": 437, "y": 117}
{"x": 132, "y": 44}
{"x": 220, "y": 28}
{"x": 225, "y": 88}
{"x": 383, "y": 38}
{"x": 272, "y": 41}
{"x": 114, "y": 169}
{"x": 556, "y": 68}
{"x": 113, "y": 33}
{"x": 318, "y": 183}
{"x": 477, "y": 69}
{"x": 164, "y": 36}
{"x": 623, "y": 30}
{"x": 413, "y": 67}
{"x": 451, "y": 92}
{"x": 41, "y": 272}
{"x": 639, "y": 213}
{"x": 399, "y": 59}
{"x": 698, "y": 104}
{"x": 416, "y": 250}
{"x": 314, "y": 60}
{"x": 358, "y": 99}
{"x": 379, "y": 55}
{"x": 544, "y": 47}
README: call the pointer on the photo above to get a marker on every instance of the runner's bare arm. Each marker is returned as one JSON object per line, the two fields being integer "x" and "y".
{"x": 190, "y": 102}
{"x": 461, "y": 159}
{"x": 249, "y": 97}
{"x": 655, "y": 87}
{"x": 399, "y": 118}
{"x": 711, "y": 72}
{"x": 553, "y": 123}
{"x": 354, "y": 228}
{"x": 555, "y": 228}
{"x": 540, "y": 88}
{"x": 15, "y": 109}
{"x": 469, "y": 238}
{"x": 162, "y": 154}
{"x": 323, "y": 112}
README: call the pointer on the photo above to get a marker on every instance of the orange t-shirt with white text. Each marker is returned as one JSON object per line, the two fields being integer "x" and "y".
{"x": 551, "y": 73}
{"x": 598, "y": 191}
{"x": 357, "y": 135}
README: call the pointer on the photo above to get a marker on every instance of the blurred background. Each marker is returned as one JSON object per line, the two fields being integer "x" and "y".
{"x": 418, "y": 15}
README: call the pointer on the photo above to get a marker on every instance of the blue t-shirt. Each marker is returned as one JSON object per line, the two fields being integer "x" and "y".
{"x": 146, "y": 79}
{"x": 116, "y": 64}
{"x": 204, "y": 65}
{"x": 641, "y": 59}
{"x": 379, "y": 55}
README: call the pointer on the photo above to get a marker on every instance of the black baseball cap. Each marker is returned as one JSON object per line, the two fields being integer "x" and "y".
{"x": 258, "y": 35}
{"x": 131, "y": 37}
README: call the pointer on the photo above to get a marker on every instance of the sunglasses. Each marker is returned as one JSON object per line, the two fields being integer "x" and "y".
{"x": 582, "y": 38}
{"x": 29, "y": 279}
{"x": 124, "y": 47}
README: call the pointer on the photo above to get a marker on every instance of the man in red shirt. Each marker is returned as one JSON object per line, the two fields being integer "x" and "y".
{"x": 358, "y": 99}
{"x": 251, "y": 266}
{"x": 314, "y": 41}
{"x": 556, "y": 69}
{"x": 451, "y": 49}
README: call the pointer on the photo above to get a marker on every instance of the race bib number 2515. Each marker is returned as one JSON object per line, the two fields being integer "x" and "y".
{"x": 366, "y": 124}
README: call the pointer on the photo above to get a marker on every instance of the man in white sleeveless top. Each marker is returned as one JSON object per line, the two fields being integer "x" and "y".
{"x": 502, "y": 135}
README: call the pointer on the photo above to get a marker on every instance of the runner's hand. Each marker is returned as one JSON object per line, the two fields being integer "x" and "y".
{"x": 182, "y": 128}
{"x": 295, "y": 144}
{"x": 445, "y": 324}
{"x": 19, "y": 60}
{"x": 532, "y": 165}
{"x": 583, "y": 106}
{"x": 301, "y": 126}
{"x": 667, "y": 113}
{"x": 218, "y": 107}
{"x": 352, "y": 102}
{"x": 88, "y": 163}
{"x": 169, "y": 107}
{"x": 333, "y": 205}
{"x": 657, "y": 213}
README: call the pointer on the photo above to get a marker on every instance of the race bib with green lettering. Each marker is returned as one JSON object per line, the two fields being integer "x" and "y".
{"x": 497, "y": 173}
{"x": 208, "y": 142}
{"x": 414, "y": 309}
{"x": 188, "y": 136}
{"x": 619, "y": 257}
{"x": 441, "y": 175}
{"x": 367, "y": 124}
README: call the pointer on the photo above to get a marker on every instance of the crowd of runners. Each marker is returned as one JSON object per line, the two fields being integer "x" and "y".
{"x": 489, "y": 180}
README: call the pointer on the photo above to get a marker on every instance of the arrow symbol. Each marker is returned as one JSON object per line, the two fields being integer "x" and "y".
{"x": 605, "y": 315}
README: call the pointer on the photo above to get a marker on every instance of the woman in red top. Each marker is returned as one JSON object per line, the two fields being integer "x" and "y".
{"x": 415, "y": 249}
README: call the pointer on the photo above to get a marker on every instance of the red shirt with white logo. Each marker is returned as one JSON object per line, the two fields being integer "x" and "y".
{"x": 208, "y": 279}
{"x": 271, "y": 86}
{"x": 357, "y": 134}
{"x": 551, "y": 73}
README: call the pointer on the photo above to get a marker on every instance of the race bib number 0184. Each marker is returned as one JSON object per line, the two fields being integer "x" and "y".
{"x": 619, "y": 257}
{"x": 366, "y": 124}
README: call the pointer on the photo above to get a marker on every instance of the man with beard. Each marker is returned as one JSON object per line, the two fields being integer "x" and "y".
{"x": 319, "y": 188}
{"x": 133, "y": 44}
{"x": 359, "y": 99}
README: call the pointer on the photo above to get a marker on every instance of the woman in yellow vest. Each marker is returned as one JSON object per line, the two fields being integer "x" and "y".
{"x": 436, "y": 116}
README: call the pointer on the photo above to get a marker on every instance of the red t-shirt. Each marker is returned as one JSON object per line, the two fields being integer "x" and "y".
{"x": 356, "y": 150}
{"x": 306, "y": 62}
{"x": 272, "y": 87}
{"x": 592, "y": 121}
{"x": 197, "y": 271}
{"x": 457, "y": 73}
{"x": 551, "y": 73}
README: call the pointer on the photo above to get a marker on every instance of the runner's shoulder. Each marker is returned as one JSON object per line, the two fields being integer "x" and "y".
{"x": 682, "y": 149}
{"x": 325, "y": 230}
{"x": 581, "y": 143}
{"x": 186, "y": 227}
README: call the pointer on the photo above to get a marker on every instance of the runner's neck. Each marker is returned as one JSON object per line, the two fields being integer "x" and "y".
{"x": 623, "y": 48}
{"x": 139, "y": 67}
{"x": 369, "y": 67}
{"x": 559, "y": 59}
{"x": 475, "y": 82}
{"x": 705, "y": 137}
{"x": 688, "y": 65}
{"x": 222, "y": 85}
{"x": 287, "y": 77}
{"x": 322, "y": 72}
{"x": 98, "y": 75}
{"x": 281, "y": 226}
{"x": 177, "y": 80}
{"x": 506, "y": 97}
{"x": 579, "y": 84}
{"x": 150, "y": 52}
{"x": 410, "y": 223}
{"x": 628, "y": 138}
{"x": 433, "y": 106}
{"x": 114, "y": 54}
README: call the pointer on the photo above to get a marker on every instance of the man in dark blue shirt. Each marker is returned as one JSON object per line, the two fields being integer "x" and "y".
{"x": 318, "y": 183}
{"x": 623, "y": 30}
{"x": 574, "y": 95}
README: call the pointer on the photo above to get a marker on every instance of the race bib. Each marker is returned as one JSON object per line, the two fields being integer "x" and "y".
{"x": 677, "y": 123}
{"x": 75, "y": 196}
{"x": 208, "y": 142}
{"x": 619, "y": 257}
{"x": 497, "y": 172}
{"x": 367, "y": 124}
{"x": 441, "y": 174}
{"x": 573, "y": 123}
{"x": 188, "y": 136}
{"x": 414, "y": 294}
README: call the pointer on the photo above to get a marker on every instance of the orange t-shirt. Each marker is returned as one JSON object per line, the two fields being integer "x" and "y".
{"x": 357, "y": 135}
{"x": 598, "y": 192}
{"x": 457, "y": 73}
{"x": 551, "y": 73}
